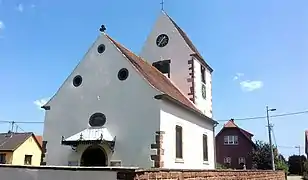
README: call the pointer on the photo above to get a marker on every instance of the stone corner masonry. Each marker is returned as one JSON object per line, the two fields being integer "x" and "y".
{"x": 158, "y": 146}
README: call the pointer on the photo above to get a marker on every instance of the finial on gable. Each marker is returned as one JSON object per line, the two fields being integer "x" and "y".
{"x": 102, "y": 29}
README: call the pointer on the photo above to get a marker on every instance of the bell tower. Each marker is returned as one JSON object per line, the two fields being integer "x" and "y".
{"x": 169, "y": 49}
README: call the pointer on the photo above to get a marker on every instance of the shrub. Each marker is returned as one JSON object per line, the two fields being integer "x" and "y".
{"x": 221, "y": 166}
{"x": 305, "y": 171}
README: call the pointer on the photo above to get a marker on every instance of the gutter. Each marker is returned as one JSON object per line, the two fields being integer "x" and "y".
{"x": 171, "y": 99}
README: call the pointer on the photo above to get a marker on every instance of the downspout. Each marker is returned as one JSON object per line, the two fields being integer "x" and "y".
{"x": 214, "y": 138}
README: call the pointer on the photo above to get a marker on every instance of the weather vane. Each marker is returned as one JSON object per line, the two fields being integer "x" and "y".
{"x": 162, "y": 5}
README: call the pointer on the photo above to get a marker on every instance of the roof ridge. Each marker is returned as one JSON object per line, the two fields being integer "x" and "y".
{"x": 236, "y": 126}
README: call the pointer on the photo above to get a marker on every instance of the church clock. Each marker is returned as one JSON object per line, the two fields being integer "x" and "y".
{"x": 203, "y": 89}
{"x": 162, "y": 40}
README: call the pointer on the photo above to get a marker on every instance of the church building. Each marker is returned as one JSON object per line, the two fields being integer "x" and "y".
{"x": 120, "y": 109}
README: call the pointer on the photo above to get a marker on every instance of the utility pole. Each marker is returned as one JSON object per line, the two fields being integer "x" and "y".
{"x": 300, "y": 158}
{"x": 270, "y": 137}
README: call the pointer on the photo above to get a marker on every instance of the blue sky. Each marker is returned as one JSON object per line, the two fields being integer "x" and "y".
{"x": 264, "y": 42}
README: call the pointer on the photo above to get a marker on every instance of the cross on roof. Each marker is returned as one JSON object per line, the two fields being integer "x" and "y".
{"x": 103, "y": 28}
{"x": 162, "y": 4}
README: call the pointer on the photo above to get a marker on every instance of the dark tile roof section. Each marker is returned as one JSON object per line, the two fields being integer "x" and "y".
{"x": 156, "y": 79}
{"x": 190, "y": 44}
{"x": 11, "y": 141}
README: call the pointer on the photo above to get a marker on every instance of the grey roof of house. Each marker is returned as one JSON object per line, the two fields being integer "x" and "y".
{"x": 11, "y": 141}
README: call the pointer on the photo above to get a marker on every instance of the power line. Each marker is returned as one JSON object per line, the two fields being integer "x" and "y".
{"x": 238, "y": 119}
{"x": 272, "y": 116}
{"x": 23, "y": 122}
{"x": 290, "y": 147}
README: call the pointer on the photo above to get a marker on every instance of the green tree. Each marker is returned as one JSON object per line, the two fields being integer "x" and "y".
{"x": 261, "y": 157}
{"x": 296, "y": 164}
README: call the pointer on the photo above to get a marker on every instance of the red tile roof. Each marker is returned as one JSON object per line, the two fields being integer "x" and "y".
{"x": 39, "y": 140}
{"x": 190, "y": 44}
{"x": 156, "y": 79}
{"x": 231, "y": 124}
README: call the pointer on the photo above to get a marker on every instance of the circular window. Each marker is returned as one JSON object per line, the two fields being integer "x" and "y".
{"x": 162, "y": 40}
{"x": 123, "y": 74}
{"x": 77, "y": 80}
{"x": 101, "y": 48}
{"x": 97, "y": 119}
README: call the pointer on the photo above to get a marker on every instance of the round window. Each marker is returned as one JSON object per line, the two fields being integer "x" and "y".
{"x": 77, "y": 80}
{"x": 97, "y": 119}
{"x": 123, "y": 74}
{"x": 101, "y": 48}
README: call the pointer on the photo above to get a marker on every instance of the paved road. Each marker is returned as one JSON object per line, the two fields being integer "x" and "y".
{"x": 294, "y": 178}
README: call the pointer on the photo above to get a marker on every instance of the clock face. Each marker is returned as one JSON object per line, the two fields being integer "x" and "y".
{"x": 203, "y": 91}
{"x": 162, "y": 40}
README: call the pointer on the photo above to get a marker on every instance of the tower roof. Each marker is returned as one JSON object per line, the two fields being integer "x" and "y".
{"x": 196, "y": 53}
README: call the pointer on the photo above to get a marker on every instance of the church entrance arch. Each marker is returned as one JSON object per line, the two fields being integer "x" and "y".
{"x": 94, "y": 156}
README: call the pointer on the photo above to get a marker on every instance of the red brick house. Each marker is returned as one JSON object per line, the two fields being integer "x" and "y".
{"x": 233, "y": 146}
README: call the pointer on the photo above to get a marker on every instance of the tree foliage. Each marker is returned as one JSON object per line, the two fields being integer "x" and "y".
{"x": 305, "y": 173}
{"x": 296, "y": 164}
{"x": 261, "y": 157}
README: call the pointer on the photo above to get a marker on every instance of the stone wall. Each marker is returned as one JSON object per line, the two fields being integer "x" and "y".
{"x": 12, "y": 172}
{"x": 160, "y": 174}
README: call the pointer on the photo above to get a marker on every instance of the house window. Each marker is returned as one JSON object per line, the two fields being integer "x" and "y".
{"x": 231, "y": 140}
{"x": 2, "y": 158}
{"x": 227, "y": 160}
{"x": 205, "y": 148}
{"x": 241, "y": 160}
{"x": 203, "y": 74}
{"x": 28, "y": 159}
{"x": 163, "y": 66}
{"x": 178, "y": 142}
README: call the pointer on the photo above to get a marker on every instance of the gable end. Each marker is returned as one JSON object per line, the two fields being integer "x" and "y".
{"x": 190, "y": 44}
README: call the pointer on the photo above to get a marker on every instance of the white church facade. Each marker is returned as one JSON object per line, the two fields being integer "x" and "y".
{"x": 120, "y": 109}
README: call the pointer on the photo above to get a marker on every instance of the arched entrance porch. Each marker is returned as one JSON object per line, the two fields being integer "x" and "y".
{"x": 94, "y": 156}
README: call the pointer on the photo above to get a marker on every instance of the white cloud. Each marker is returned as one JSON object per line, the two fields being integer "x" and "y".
{"x": 1, "y": 25}
{"x": 237, "y": 76}
{"x": 248, "y": 85}
{"x": 41, "y": 102}
{"x": 20, "y": 8}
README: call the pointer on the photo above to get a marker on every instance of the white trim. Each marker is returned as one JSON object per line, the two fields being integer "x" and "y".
{"x": 231, "y": 140}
